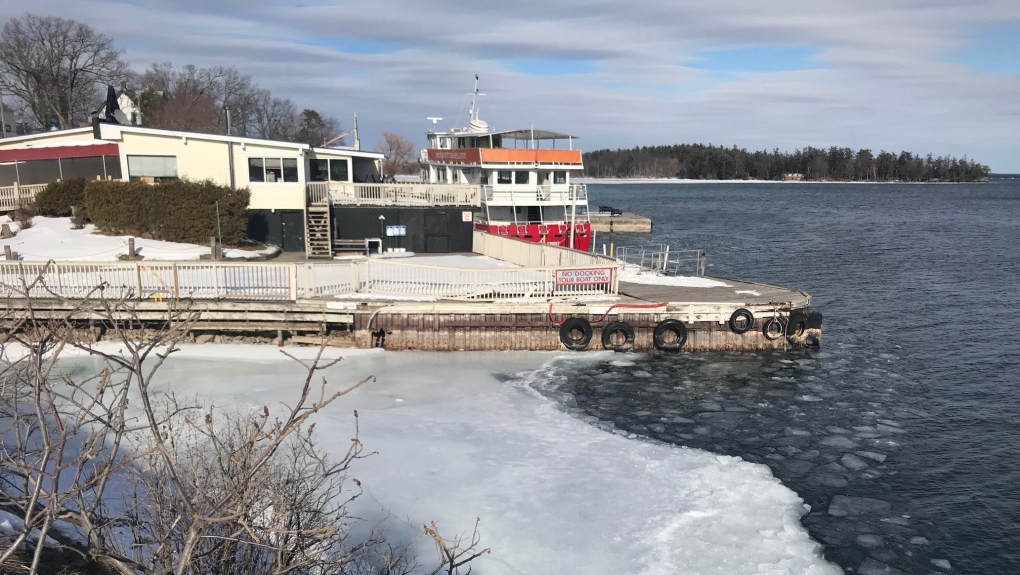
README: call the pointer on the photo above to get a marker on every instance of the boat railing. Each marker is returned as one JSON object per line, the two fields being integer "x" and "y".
{"x": 559, "y": 194}
{"x": 660, "y": 258}
{"x": 343, "y": 193}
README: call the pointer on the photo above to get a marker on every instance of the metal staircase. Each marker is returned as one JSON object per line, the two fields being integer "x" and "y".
{"x": 318, "y": 236}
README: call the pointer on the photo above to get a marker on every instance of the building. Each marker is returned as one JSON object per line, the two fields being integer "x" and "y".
{"x": 277, "y": 173}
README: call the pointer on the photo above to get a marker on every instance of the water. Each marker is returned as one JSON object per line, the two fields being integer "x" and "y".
{"x": 902, "y": 431}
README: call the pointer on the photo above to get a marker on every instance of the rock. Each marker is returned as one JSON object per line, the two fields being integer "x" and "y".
{"x": 843, "y": 506}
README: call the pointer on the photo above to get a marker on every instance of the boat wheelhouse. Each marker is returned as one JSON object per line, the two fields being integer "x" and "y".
{"x": 524, "y": 177}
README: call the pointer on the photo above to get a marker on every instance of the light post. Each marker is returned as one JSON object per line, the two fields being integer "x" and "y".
{"x": 382, "y": 231}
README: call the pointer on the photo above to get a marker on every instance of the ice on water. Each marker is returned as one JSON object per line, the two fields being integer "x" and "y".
{"x": 555, "y": 493}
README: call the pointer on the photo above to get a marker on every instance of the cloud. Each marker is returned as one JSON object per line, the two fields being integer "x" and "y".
{"x": 927, "y": 76}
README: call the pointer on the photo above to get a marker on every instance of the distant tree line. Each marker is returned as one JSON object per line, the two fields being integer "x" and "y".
{"x": 708, "y": 162}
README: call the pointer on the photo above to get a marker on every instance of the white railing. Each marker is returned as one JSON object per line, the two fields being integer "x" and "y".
{"x": 659, "y": 257}
{"x": 285, "y": 281}
{"x": 532, "y": 254}
{"x": 556, "y": 194}
{"x": 339, "y": 193}
{"x": 13, "y": 197}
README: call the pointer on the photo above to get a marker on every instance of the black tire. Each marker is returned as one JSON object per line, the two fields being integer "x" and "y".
{"x": 614, "y": 328}
{"x": 746, "y": 315}
{"x": 570, "y": 339}
{"x": 672, "y": 327}
{"x": 797, "y": 325}
{"x": 773, "y": 328}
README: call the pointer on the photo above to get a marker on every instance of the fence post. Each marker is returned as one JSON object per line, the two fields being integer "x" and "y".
{"x": 177, "y": 283}
{"x": 8, "y": 255}
{"x": 17, "y": 195}
{"x": 131, "y": 248}
{"x": 138, "y": 280}
{"x": 216, "y": 281}
{"x": 292, "y": 282}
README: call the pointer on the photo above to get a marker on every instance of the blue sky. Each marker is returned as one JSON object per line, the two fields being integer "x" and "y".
{"x": 929, "y": 76}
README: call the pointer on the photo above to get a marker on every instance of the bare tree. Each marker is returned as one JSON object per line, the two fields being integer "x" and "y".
{"x": 57, "y": 66}
{"x": 274, "y": 118}
{"x": 194, "y": 99}
{"x": 398, "y": 154}
{"x": 102, "y": 466}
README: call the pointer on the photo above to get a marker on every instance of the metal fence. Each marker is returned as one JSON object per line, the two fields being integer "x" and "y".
{"x": 339, "y": 193}
{"x": 289, "y": 281}
{"x": 13, "y": 197}
{"x": 659, "y": 257}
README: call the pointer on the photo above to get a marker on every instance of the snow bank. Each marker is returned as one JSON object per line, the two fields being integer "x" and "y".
{"x": 636, "y": 276}
{"x": 53, "y": 238}
{"x": 555, "y": 494}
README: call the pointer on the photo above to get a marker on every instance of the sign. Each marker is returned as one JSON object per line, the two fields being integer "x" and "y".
{"x": 466, "y": 216}
{"x": 584, "y": 276}
{"x": 466, "y": 155}
{"x": 396, "y": 231}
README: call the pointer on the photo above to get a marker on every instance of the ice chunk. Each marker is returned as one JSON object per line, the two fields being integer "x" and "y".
{"x": 851, "y": 461}
{"x": 800, "y": 432}
{"x": 837, "y": 430}
{"x": 870, "y": 541}
{"x": 890, "y": 428}
{"x": 879, "y": 457}
{"x": 679, "y": 419}
{"x": 942, "y": 564}
{"x": 890, "y": 422}
{"x": 810, "y": 398}
{"x": 828, "y": 480}
{"x": 839, "y": 441}
{"x": 919, "y": 541}
{"x": 874, "y": 567}
{"x": 844, "y": 506}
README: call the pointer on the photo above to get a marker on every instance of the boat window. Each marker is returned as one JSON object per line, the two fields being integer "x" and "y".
{"x": 504, "y": 177}
{"x": 521, "y": 177}
{"x": 560, "y": 177}
{"x": 485, "y": 178}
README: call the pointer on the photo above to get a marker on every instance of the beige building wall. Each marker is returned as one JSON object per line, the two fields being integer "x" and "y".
{"x": 271, "y": 195}
{"x": 60, "y": 137}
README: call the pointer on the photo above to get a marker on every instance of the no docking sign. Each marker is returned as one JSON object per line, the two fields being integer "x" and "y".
{"x": 584, "y": 276}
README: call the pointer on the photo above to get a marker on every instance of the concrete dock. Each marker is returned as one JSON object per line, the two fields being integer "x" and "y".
{"x": 626, "y": 222}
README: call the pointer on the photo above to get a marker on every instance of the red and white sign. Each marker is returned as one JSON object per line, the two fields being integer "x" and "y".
{"x": 584, "y": 276}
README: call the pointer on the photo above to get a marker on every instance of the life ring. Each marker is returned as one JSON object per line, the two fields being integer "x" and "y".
{"x": 773, "y": 329}
{"x": 579, "y": 230}
{"x": 741, "y": 320}
{"x": 797, "y": 325}
{"x": 669, "y": 335}
{"x": 543, "y": 230}
{"x": 502, "y": 231}
{"x": 618, "y": 327}
{"x": 563, "y": 228}
{"x": 575, "y": 333}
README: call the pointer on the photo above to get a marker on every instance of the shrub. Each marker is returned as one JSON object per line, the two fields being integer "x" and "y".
{"x": 58, "y": 197}
{"x": 178, "y": 211}
{"x": 24, "y": 216}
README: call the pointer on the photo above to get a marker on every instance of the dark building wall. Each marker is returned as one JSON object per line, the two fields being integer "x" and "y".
{"x": 429, "y": 230}
{"x": 283, "y": 228}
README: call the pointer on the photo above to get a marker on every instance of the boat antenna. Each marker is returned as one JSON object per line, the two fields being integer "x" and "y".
{"x": 474, "y": 101}
{"x": 434, "y": 122}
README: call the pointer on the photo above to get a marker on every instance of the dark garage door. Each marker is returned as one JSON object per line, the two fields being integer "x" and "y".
{"x": 293, "y": 231}
{"x": 437, "y": 233}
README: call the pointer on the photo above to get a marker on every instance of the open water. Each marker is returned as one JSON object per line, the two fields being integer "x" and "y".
{"x": 903, "y": 431}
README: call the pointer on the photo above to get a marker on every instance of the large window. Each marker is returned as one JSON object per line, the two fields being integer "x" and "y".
{"x": 272, "y": 170}
{"x": 504, "y": 177}
{"x": 521, "y": 177}
{"x": 327, "y": 171}
{"x": 560, "y": 177}
{"x": 152, "y": 168}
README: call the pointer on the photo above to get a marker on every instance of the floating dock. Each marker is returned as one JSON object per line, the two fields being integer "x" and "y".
{"x": 626, "y": 222}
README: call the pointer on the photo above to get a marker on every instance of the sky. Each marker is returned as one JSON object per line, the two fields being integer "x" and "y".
{"x": 927, "y": 76}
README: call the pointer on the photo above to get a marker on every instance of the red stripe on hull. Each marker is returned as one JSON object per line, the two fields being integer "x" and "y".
{"x": 552, "y": 234}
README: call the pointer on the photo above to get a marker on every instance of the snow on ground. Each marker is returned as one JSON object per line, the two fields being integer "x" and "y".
{"x": 53, "y": 238}
{"x": 462, "y": 261}
{"x": 635, "y": 275}
{"x": 554, "y": 494}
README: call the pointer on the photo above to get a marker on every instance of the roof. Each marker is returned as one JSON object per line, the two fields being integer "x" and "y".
{"x": 522, "y": 134}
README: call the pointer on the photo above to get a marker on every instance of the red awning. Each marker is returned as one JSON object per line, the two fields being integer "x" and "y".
{"x": 54, "y": 152}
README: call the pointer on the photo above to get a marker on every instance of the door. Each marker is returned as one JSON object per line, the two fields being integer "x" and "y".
{"x": 293, "y": 224}
{"x": 437, "y": 233}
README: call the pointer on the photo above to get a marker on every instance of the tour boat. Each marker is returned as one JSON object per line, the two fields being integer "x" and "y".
{"x": 524, "y": 179}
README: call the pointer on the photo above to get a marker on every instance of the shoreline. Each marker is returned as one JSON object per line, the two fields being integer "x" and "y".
{"x": 689, "y": 181}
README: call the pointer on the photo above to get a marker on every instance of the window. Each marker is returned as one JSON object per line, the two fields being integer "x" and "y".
{"x": 272, "y": 169}
{"x": 560, "y": 177}
{"x": 152, "y": 168}
{"x": 504, "y": 177}
{"x": 327, "y": 171}
{"x": 521, "y": 177}
{"x": 485, "y": 178}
